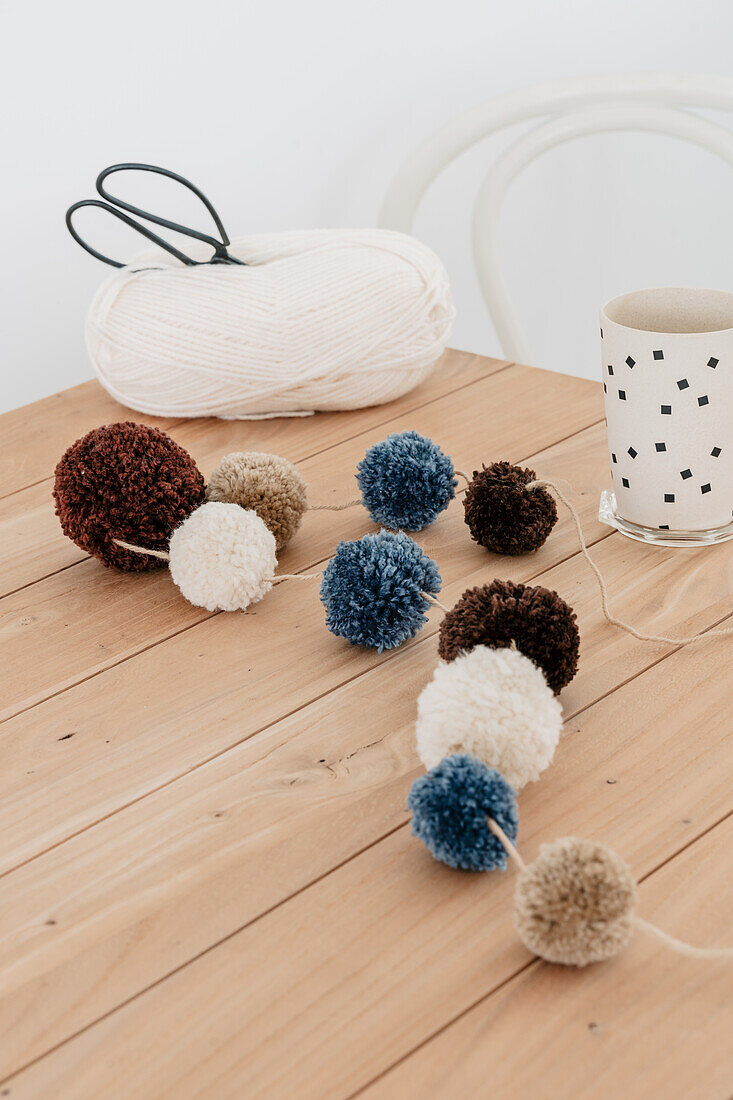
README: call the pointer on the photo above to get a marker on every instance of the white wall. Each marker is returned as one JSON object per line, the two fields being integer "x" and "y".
{"x": 296, "y": 113}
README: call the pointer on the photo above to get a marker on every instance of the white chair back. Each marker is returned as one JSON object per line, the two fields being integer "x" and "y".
{"x": 653, "y": 102}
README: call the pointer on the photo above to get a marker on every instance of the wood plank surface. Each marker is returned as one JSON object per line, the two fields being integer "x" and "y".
{"x": 74, "y": 758}
{"x": 207, "y": 880}
{"x": 115, "y": 615}
{"x": 338, "y": 1000}
{"x": 32, "y": 545}
{"x": 646, "y": 1025}
{"x": 247, "y": 823}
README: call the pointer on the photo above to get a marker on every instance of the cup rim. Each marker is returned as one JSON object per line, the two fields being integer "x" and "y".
{"x": 665, "y": 332}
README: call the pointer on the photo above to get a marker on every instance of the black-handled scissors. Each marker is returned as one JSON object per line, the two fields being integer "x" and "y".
{"x": 111, "y": 204}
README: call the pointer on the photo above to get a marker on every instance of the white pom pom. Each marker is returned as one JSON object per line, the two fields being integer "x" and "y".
{"x": 495, "y": 704}
{"x": 222, "y": 557}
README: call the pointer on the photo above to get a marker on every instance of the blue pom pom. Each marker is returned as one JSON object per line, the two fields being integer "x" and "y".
{"x": 372, "y": 590}
{"x": 449, "y": 808}
{"x": 405, "y": 481}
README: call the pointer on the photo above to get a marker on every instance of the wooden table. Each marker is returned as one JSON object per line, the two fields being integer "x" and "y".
{"x": 210, "y": 888}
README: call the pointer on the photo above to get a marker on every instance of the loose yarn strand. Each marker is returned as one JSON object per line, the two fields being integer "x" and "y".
{"x": 433, "y": 600}
{"x": 682, "y": 948}
{"x": 295, "y": 577}
{"x": 460, "y": 473}
{"x": 333, "y": 507}
{"x": 663, "y": 638}
{"x": 162, "y": 554}
{"x": 504, "y": 840}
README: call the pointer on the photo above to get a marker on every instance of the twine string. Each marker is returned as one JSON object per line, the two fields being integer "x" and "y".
{"x": 506, "y": 843}
{"x": 162, "y": 554}
{"x": 682, "y": 948}
{"x": 460, "y": 473}
{"x": 611, "y": 618}
{"x": 295, "y": 577}
{"x": 333, "y": 507}
{"x": 436, "y": 601}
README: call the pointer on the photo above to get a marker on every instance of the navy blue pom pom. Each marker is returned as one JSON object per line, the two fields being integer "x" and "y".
{"x": 449, "y": 808}
{"x": 405, "y": 481}
{"x": 372, "y": 590}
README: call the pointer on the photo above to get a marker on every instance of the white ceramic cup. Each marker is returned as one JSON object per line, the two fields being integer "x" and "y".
{"x": 667, "y": 360}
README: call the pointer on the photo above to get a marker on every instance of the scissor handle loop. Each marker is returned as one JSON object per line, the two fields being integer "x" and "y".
{"x": 111, "y": 204}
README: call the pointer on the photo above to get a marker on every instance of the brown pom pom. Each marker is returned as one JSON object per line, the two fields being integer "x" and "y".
{"x": 266, "y": 484}
{"x": 537, "y": 620}
{"x": 574, "y": 904}
{"x": 129, "y": 482}
{"x": 503, "y": 515}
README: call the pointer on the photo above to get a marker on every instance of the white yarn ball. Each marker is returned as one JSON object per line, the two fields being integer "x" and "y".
{"x": 495, "y": 704}
{"x": 222, "y": 557}
{"x": 328, "y": 319}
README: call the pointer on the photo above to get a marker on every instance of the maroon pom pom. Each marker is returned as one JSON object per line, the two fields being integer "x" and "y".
{"x": 129, "y": 482}
{"x": 503, "y": 515}
{"x": 537, "y": 620}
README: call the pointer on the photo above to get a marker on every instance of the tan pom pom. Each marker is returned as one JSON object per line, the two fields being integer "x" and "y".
{"x": 574, "y": 905}
{"x": 267, "y": 484}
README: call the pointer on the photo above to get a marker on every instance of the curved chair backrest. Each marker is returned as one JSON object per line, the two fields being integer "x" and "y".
{"x": 650, "y": 101}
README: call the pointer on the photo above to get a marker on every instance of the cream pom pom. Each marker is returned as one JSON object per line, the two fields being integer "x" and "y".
{"x": 494, "y": 704}
{"x": 222, "y": 557}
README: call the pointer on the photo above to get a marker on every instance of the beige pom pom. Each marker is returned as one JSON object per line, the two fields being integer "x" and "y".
{"x": 267, "y": 484}
{"x": 574, "y": 904}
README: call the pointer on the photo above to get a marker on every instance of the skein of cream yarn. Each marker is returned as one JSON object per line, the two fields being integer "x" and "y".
{"x": 318, "y": 320}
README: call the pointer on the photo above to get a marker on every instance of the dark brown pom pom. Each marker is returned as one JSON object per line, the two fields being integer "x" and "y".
{"x": 129, "y": 482}
{"x": 502, "y": 515}
{"x": 542, "y": 626}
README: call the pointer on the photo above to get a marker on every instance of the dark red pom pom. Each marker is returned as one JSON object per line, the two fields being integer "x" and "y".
{"x": 129, "y": 482}
{"x": 537, "y": 620}
{"x": 503, "y": 515}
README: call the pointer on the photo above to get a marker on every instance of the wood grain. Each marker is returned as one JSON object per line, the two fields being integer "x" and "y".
{"x": 32, "y": 545}
{"x": 35, "y": 436}
{"x": 647, "y": 1024}
{"x": 390, "y": 947}
{"x": 76, "y": 758}
{"x": 207, "y": 880}
{"x": 116, "y": 615}
{"x": 256, "y": 824}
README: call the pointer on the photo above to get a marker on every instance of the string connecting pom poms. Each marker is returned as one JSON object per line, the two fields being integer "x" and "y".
{"x": 538, "y": 622}
{"x": 268, "y": 485}
{"x": 375, "y": 590}
{"x": 574, "y": 905}
{"x": 125, "y": 482}
{"x": 494, "y": 704}
{"x": 405, "y": 481}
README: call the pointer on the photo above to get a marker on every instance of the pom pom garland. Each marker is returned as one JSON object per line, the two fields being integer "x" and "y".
{"x": 268, "y": 485}
{"x": 405, "y": 481}
{"x": 125, "y": 482}
{"x": 495, "y": 704}
{"x": 488, "y": 722}
{"x": 534, "y": 619}
{"x": 223, "y": 557}
{"x": 374, "y": 589}
{"x": 450, "y": 806}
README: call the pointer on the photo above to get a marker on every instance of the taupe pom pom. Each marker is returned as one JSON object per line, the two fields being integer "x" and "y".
{"x": 574, "y": 905}
{"x": 267, "y": 484}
